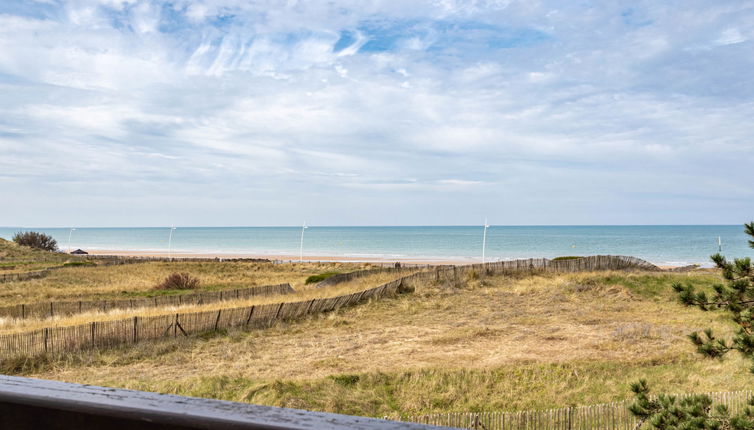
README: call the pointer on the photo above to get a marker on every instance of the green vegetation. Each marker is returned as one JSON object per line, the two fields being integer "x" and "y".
{"x": 18, "y": 258}
{"x": 79, "y": 263}
{"x": 320, "y": 277}
{"x": 566, "y": 257}
{"x": 36, "y": 240}
{"x": 737, "y": 300}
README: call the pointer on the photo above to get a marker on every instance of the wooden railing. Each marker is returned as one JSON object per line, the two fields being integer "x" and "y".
{"x": 32, "y": 404}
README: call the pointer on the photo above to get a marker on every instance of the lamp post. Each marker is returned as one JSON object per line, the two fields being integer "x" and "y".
{"x": 70, "y": 233}
{"x": 301, "y": 247}
{"x": 484, "y": 239}
{"x": 170, "y": 243}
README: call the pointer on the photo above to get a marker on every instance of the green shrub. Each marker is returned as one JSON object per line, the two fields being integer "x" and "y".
{"x": 178, "y": 281}
{"x": 566, "y": 257}
{"x": 321, "y": 277}
{"x": 36, "y": 240}
{"x": 79, "y": 263}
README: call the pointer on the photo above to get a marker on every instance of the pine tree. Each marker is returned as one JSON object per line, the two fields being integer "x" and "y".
{"x": 696, "y": 412}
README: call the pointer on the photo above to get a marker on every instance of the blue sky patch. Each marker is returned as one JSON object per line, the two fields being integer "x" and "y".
{"x": 347, "y": 38}
{"x": 384, "y": 36}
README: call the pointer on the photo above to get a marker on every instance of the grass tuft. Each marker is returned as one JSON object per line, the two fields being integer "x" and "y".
{"x": 178, "y": 281}
{"x": 320, "y": 277}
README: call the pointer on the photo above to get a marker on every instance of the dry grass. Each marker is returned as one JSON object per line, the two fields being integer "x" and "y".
{"x": 12, "y": 325}
{"x": 502, "y": 343}
{"x": 137, "y": 280}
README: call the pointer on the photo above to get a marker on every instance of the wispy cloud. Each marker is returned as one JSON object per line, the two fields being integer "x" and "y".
{"x": 235, "y": 112}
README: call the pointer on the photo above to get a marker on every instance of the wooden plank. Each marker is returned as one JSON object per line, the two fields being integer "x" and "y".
{"x": 27, "y": 403}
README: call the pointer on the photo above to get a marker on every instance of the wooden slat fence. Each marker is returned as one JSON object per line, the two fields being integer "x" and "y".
{"x": 59, "y": 340}
{"x": 17, "y": 277}
{"x": 122, "y": 259}
{"x": 606, "y": 416}
{"x": 136, "y": 329}
{"x": 591, "y": 263}
{"x": 53, "y": 309}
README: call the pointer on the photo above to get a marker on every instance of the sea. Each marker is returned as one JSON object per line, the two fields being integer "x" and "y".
{"x": 674, "y": 245}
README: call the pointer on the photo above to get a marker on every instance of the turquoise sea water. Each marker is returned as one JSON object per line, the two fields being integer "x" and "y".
{"x": 658, "y": 244}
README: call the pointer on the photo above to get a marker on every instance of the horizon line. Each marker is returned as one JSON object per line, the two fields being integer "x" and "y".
{"x": 373, "y": 226}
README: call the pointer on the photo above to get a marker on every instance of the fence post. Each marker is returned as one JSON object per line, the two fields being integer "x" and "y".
{"x": 51, "y": 311}
{"x": 92, "y": 327}
{"x": 46, "y": 337}
{"x": 570, "y": 420}
{"x": 23, "y": 310}
{"x": 278, "y": 312}
{"x": 175, "y": 326}
{"x": 136, "y": 323}
{"x": 217, "y": 321}
{"x": 251, "y": 312}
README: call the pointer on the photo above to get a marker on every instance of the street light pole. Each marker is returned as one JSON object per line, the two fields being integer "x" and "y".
{"x": 301, "y": 247}
{"x": 484, "y": 240}
{"x": 170, "y": 243}
{"x": 70, "y": 233}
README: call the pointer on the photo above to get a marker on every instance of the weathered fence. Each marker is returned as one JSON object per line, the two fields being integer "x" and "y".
{"x": 53, "y": 309}
{"x": 582, "y": 264}
{"x": 15, "y": 277}
{"x": 55, "y": 340}
{"x": 606, "y": 416}
{"x": 124, "y": 259}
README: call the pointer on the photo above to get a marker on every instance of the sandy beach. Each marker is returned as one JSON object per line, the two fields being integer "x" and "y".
{"x": 283, "y": 257}
{"x": 306, "y": 258}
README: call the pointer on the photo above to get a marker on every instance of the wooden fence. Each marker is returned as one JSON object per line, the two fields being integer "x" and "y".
{"x": 607, "y": 416}
{"x": 53, "y": 309}
{"x": 56, "y": 340}
{"x": 582, "y": 264}
{"x": 123, "y": 259}
{"x": 15, "y": 277}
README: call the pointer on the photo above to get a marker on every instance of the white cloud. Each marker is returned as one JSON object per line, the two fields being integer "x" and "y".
{"x": 487, "y": 101}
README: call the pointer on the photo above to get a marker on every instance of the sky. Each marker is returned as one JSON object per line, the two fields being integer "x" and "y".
{"x": 442, "y": 112}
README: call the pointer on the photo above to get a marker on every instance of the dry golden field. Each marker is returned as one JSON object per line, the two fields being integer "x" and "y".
{"x": 496, "y": 343}
{"x": 303, "y": 292}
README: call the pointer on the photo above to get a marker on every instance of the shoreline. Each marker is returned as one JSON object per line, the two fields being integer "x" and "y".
{"x": 286, "y": 257}
{"x": 313, "y": 258}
